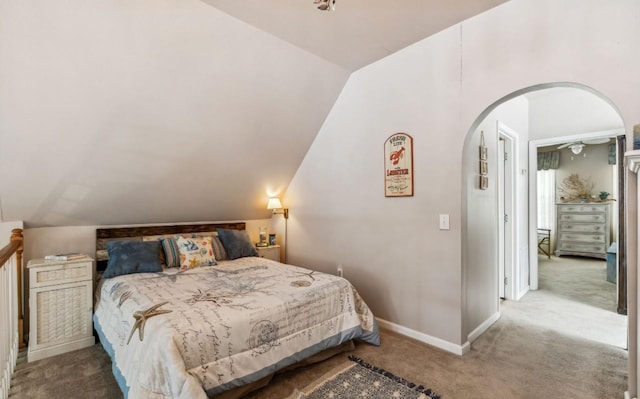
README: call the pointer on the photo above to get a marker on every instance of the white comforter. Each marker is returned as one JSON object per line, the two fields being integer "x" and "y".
{"x": 228, "y": 325}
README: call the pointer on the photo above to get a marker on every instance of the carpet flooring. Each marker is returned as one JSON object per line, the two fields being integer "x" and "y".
{"x": 562, "y": 341}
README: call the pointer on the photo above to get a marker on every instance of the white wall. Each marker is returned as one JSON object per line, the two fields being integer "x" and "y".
{"x": 5, "y": 231}
{"x": 391, "y": 248}
{"x": 481, "y": 242}
{"x": 410, "y": 272}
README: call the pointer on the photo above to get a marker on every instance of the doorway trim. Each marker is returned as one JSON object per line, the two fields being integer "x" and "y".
{"x": 510, "y": 239}
{"x": 533, "y": 189}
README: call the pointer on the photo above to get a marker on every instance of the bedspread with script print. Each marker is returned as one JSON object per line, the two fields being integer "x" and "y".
{"x": 202, "y": 331}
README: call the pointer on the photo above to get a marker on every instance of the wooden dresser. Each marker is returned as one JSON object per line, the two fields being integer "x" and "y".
{"x": 583, "y": 229}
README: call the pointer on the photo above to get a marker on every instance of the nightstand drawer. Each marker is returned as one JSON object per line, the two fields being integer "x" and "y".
{"x": 60, "y": 273}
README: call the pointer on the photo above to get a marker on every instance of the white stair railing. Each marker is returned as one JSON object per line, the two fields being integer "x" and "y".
{"x": 10, "y": 309}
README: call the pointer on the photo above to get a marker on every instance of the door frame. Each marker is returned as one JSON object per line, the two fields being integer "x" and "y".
{"x": 509, "y": 200}
{"x": 533, "y": 189}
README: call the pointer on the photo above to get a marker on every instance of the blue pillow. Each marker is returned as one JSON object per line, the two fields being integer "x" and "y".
{"x": 237, "y": 243}
{"x": 126, "y": 257}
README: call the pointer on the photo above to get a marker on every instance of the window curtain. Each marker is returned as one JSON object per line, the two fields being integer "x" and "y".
{"x": 546, "y": 199}
{"x": 547, "y": 202}
{"x": 548, "y": 160}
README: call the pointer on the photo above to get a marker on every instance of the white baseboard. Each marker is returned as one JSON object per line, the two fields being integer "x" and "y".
{"x": 473, "y": 335}
{"x": 37, "y": 354}
{"x": 426, "y": 338}
{"x": 522, "y": 293}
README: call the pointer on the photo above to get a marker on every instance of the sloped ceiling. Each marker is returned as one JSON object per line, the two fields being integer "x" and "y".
{"x": 156, "y": 111}
{"x": 358, "y": 32}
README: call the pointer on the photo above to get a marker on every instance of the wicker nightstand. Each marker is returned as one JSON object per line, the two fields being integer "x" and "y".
{"x": 61, "y": 306}
{"x": 271, "y": 252}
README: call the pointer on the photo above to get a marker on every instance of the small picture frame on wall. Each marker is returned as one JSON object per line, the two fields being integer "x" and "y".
{"x": 483, "y": 153}
{"x": 398, "y": 165}
{"x": 484, "y": 182}
{"x": 484, "y": 169}
{"x": 484, "y": 164}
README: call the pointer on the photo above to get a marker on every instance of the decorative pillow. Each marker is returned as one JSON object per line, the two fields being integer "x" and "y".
{"x": 218, "y": 249}
{"x": 237, "y": 243}
{"x": 194, "y": 252}
{"x": 160, "y": 251}
{"x": 126, "y": 257}
{"x": 171, "y": 252}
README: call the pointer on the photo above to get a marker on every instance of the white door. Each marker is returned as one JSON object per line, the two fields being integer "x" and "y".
{"x": 501, "y": 218}
{"x": 507, "y": 166}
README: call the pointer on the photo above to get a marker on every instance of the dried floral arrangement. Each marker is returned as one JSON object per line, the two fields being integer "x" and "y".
{"x": 574, "y": 188}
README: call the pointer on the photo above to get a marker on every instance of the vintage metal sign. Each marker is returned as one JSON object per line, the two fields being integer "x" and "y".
{"x": 398, "y": 166}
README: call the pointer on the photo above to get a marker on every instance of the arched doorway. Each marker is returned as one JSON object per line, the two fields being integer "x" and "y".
{"x": 482, "y": 214}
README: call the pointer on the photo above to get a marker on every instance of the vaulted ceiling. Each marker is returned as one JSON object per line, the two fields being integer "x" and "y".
{"x": 358, "y": 32}
{"x": 150, "y": 111}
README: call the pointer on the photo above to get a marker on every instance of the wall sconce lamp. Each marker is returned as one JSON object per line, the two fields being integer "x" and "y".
{"x": 275, "y": 205}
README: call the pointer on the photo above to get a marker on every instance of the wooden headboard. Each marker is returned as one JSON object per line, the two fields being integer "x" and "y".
{"x": 104, "y": 235}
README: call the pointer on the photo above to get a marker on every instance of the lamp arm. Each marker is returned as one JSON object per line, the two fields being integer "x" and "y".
{"x": 283, "y": 211}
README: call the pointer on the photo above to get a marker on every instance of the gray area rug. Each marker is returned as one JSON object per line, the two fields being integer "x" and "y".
{"x": 359, "y": 379}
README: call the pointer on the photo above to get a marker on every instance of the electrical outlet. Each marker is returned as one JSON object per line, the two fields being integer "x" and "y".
{"x": 340, "y": 271}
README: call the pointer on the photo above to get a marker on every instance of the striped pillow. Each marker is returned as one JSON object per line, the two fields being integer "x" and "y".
{"x": 171, "y": 252}
{"x": 218, "y": 248}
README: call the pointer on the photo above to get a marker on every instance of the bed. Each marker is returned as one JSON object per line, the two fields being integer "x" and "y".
{"x": 209, "y": 331}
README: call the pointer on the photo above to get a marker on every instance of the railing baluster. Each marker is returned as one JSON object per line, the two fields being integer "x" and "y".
{"x": 5, "y": 333}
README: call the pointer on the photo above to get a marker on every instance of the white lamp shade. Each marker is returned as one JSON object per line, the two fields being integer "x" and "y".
{"x": 274, "y": 203}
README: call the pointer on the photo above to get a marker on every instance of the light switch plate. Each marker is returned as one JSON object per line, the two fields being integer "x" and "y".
{"x": 444, "y": 222}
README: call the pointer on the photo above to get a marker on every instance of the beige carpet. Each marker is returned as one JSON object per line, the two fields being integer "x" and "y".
{"x": 538, "y": 349}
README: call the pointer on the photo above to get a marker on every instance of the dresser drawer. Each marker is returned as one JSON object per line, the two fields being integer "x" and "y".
{"x": 589, "y": 218}
{"x": 581, "y": 209}
{"x": 581, "y": 237}
{"x": 582, "y": 247}
{"x": 581, "y": 227}
{"x": 60, "y": 273}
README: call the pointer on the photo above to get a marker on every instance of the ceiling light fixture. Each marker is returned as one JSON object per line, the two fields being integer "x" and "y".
{"x": 576, "y": 148}
{"x": 326, "y": 5}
